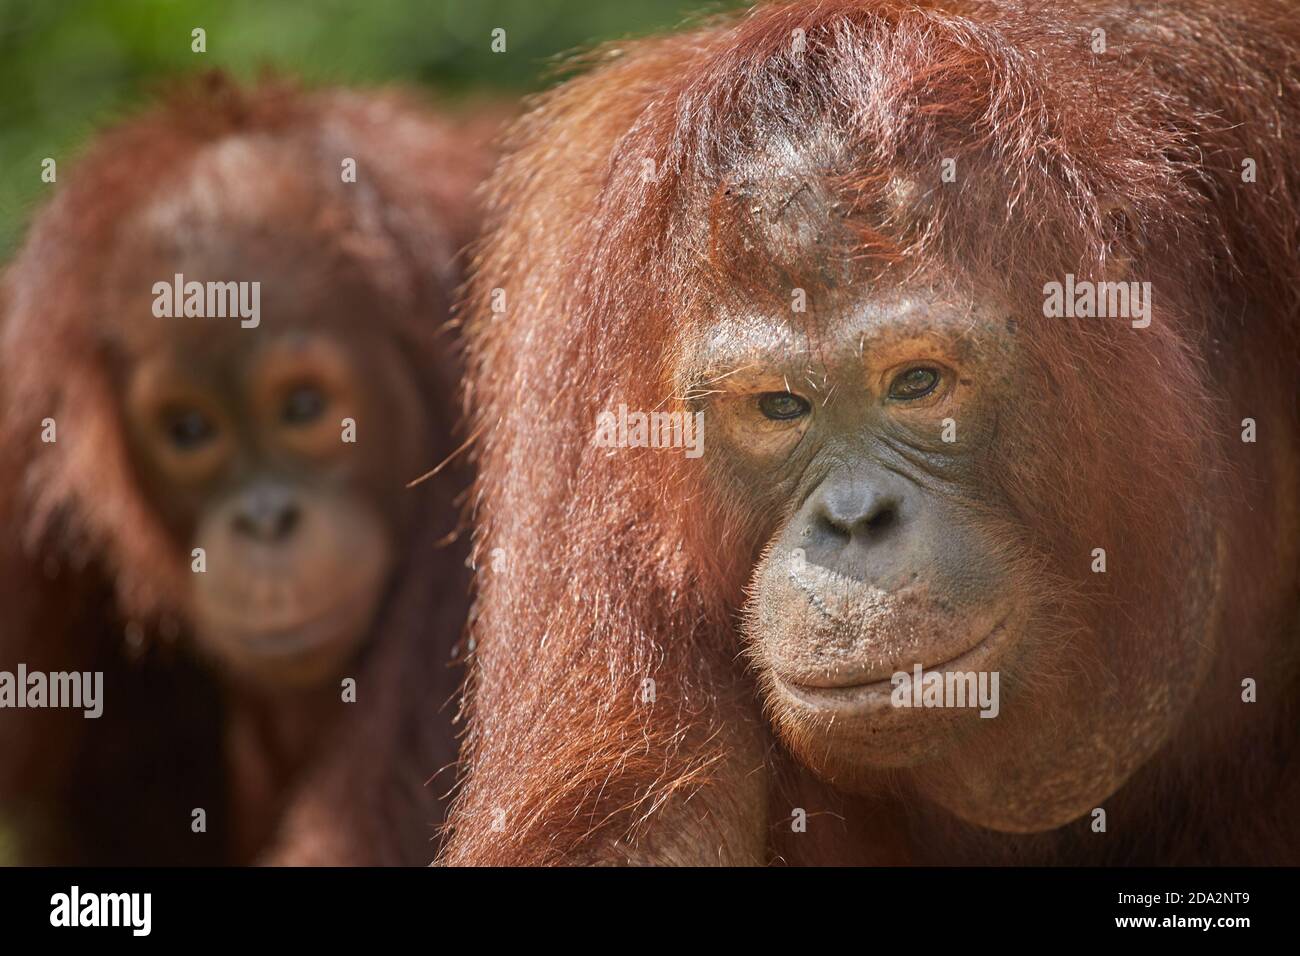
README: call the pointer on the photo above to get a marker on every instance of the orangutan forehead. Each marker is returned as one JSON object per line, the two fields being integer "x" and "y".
{"x": 256, "y": 208}
{"x": 792, "y": 192}
{"x": 850, "y": 331}
{"x": 256, "y": 186}
{"x": 789, "y": 223}
{"x": 238, "y": 180}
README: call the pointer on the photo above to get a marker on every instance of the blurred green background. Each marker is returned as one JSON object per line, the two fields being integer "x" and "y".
{"x": 69, "y": 66}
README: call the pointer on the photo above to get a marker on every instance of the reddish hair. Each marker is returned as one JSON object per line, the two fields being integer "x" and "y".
{"x": 414, "y": 227}
{"x": 622, "y": 567}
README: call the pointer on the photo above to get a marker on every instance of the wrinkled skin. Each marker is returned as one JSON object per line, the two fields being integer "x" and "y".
{"x": 836, "y": 250}
{"x": 884, "y": 559}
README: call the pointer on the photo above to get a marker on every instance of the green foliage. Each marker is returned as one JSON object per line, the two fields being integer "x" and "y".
{"x": 67, "y": 66}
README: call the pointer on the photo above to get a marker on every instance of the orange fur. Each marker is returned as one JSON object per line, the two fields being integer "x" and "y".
{"x": 622, "y": 566}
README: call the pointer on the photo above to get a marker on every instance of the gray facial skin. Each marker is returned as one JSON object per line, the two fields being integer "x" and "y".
{"x": 890, "y": 547}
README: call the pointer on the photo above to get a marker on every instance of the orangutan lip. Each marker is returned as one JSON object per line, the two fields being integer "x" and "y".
{"x": 304, "y": 636}
{"x": 853, "y": 696}
{"x": 281, "y": 639}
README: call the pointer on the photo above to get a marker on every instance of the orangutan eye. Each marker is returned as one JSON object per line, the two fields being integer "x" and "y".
{"x": 303, "y": 405}
{"x": 188, "y": 428}
{"x": 913, "y": 384}
{"x": 782, "y": 406}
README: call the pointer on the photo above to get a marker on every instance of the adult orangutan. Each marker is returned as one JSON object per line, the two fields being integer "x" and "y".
{"x": 223, "y": 358}
{"x": 990, "y": 313}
